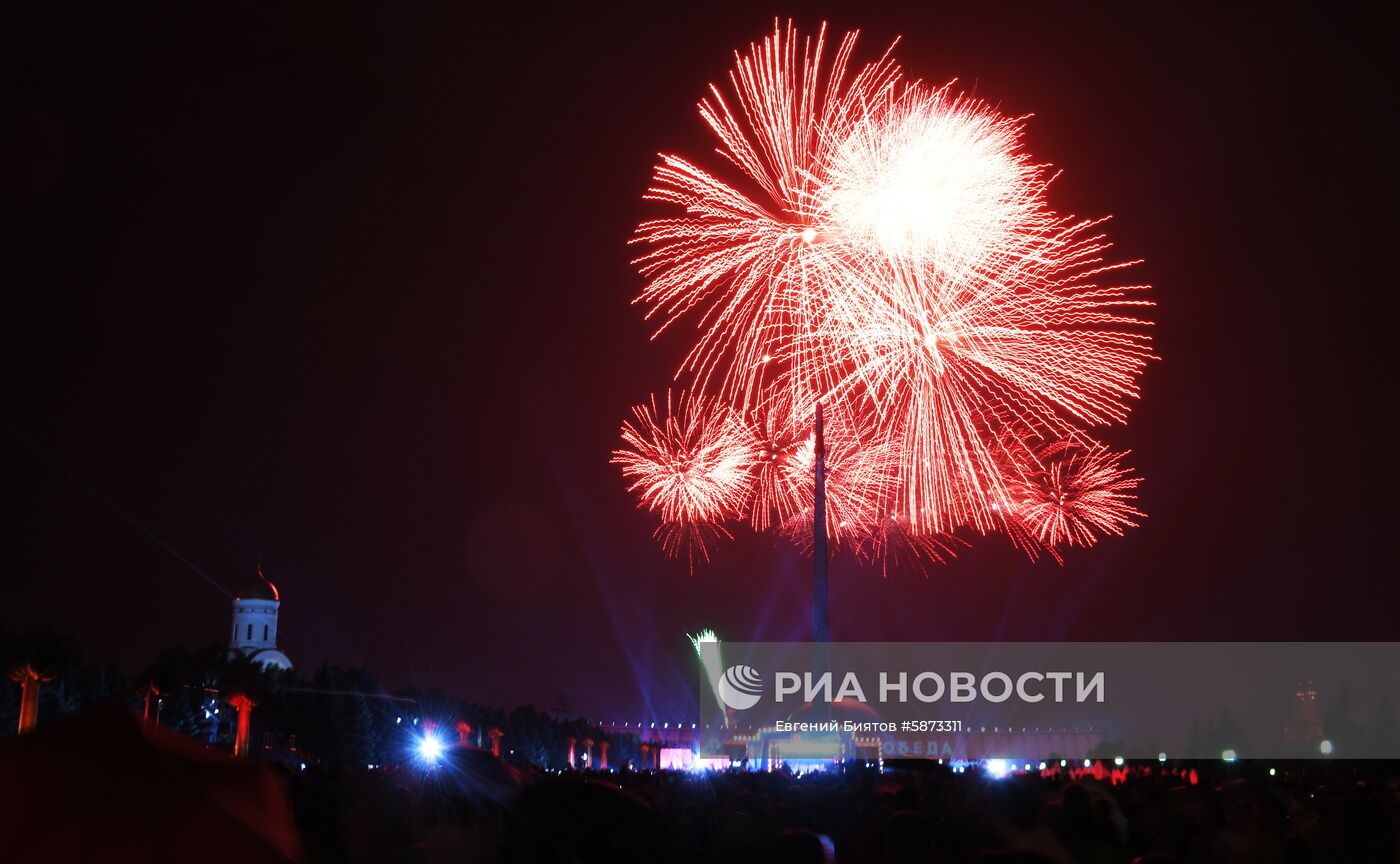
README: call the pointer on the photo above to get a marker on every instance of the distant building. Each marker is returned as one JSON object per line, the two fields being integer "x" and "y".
{"x": 1304, "y": 728}
{"x": 255, "y": 624}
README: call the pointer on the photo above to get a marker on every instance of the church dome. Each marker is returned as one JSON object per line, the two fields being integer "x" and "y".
{"x": 261, "y": 589}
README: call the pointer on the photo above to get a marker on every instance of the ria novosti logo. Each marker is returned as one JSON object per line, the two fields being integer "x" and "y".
{"x": 740, "y": 687}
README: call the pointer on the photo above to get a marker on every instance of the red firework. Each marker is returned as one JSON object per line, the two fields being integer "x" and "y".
{"x": 888, "y": 249}
{"x": 892, "y": 541}
{"x": 1077, "y": 494}
{"x": 780, "y": 431}
{"x": 692, "y": 464}
{"x": 861, "y": 472}
{"x": 754, "y": 261}
{"x": 689, "y": 539}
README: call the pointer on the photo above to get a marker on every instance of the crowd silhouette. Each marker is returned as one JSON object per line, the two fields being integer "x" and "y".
{"x": 1305, "y": 813}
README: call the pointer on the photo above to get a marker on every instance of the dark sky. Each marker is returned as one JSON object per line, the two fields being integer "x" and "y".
{"x": 349, "y": 291}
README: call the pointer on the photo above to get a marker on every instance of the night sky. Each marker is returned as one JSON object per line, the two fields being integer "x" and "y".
{"x": 348, "y": 291}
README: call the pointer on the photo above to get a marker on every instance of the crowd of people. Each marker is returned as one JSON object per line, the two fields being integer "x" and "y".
{"x": 469, "y": 809}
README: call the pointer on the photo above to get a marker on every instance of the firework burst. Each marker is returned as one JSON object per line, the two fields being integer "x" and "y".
{"x": 887, "y": 249}
{"x": 933, "y": 179}
{"x": 949, "y": 324}
{"x": 1077, "y": 494}
{"x": 690, "y": 464}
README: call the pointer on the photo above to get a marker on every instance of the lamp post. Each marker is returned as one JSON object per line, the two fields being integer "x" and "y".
{"x": 152, "y": 694}
{"x": 243, "y": 704}
{"x": 29, "y": 680}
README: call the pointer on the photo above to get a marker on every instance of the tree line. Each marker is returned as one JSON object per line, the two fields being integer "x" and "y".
{"x": 335, "y": 717}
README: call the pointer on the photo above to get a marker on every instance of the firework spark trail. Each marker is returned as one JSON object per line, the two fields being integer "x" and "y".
{"x": 861, "y": 472}
{"x": 750, "y": 262}
{"x": 892, "y": 541}
{"x": 861, "y": 489}
{"x": 942, "y": 362}
{"x": 887, "y": 249}
{"x": 690, "y": 540}
{"x": 780, "y": 431}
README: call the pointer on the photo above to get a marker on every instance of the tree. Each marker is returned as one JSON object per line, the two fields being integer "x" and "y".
{"x": 355, "y": 737}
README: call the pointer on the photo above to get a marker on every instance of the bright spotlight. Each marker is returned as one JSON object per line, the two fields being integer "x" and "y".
{"x": 997, "y": 768}
{"x": 1326, "y": 747}
{"x": 430, "y": 748}
{"x": 1228, "y": 755}
{"x": 1162, "y": 757}
{"x": 1118, "y": 760}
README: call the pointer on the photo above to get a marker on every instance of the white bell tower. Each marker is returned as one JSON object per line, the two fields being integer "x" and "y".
{"x": 255, "y": 624}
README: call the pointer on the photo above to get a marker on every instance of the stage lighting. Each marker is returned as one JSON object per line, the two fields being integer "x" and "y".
{"x": 430, "y": 748}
